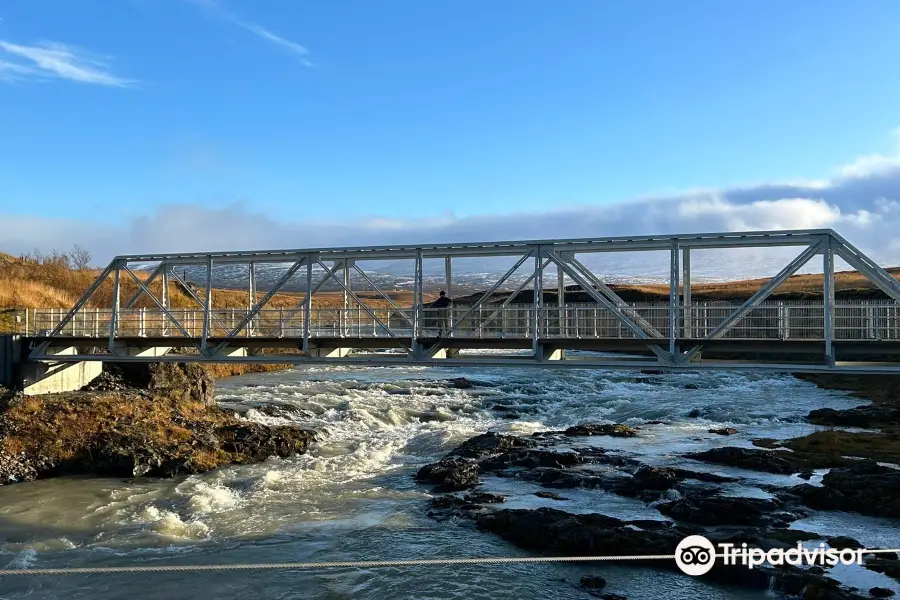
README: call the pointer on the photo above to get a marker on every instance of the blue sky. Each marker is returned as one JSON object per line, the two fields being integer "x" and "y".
{"x": 420, "y": 113}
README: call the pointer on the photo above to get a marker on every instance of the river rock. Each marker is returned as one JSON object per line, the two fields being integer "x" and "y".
{"x": 880, "y": 592}
{"x": 549, "y": 495}
{"x": 843, "y": 541}
{"x": 715, "y": 509}
{"x": 484, "y": 498}
{"x": 460, "y": 383}
{"x": 491, "y": 443}
{"x": 610, "y": 429}
{"x": 885, "y": 566}
{"x": 592, "y": 581}
{"x": 866, "y": 488}
{"x": 450, "y": 474}
{"x": 724, "y": 431}
{"x": 769, "y": 461}
{"x": 176, "y": 381}
{"x": 558, "y": 532}
{"x": 530, "y": 459}
{"x": 861, "y": 416}
{"x": 254, "y": 442}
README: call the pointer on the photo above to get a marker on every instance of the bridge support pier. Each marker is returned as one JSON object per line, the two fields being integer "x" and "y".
{"x": 56, "y": 377}
{"x": 329, "y": 352}
{"x": 546, "y": 353}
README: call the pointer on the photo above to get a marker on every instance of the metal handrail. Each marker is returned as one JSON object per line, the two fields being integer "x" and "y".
{"x": 782, "y": 320}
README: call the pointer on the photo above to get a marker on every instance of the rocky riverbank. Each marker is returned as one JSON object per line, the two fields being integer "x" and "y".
{"x": 687, "y": 501}
{"x": 143, "y": 420}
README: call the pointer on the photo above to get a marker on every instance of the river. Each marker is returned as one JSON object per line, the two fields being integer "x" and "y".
{"x": 352, "y": 497}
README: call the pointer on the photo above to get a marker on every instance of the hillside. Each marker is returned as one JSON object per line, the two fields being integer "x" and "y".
{"x": 847, "y": 284}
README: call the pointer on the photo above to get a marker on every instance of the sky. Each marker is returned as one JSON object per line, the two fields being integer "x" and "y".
{"x": 176, "y": 125}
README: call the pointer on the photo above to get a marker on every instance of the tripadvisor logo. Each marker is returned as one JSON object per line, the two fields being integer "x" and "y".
{"x": 696, "y": 555}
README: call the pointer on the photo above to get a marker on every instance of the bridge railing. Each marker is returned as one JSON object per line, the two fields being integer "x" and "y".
{"x": 853, "y": 320}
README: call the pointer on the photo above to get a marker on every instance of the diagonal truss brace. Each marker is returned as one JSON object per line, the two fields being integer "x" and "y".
{"x": 146, "y": 290}
{"x": 42, "y": 347}
{"x": 331, "y": 273}
{"x": 259, "y": 305}
{"x": 512, "y": 296}
{"x": 615, "y": 298}
{"x": 190, "y": 292}
{"x": 484, "y": 297}
{"x": 382, "y": 294}
{"x": 577, "y": 277}
{"x": 869, "y": 268}
{"x": 153, "y": 275}
{"x": 763, "y": 293}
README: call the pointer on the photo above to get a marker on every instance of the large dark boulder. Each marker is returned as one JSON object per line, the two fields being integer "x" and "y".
{"x": 861, "y": 416}
{"x": 610, "y": 429}
{"x": 715, "y": 509}
{"x": 491, "y": 443}
{"x": 750, "y": 458}
{"x": 450, "y": 474}
{"x": 866, "y": 488}
{"x": 254, "y": 442}
{"x": 175, "y": 381}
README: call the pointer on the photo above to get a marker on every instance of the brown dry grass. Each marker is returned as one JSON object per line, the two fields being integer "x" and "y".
{"x": 62, "y": 427}
{"x": 844, "y": 281}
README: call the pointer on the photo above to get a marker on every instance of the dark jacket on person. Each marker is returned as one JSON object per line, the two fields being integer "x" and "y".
{"x": 441, "y": 302}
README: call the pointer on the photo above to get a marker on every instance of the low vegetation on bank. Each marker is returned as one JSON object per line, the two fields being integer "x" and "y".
{"x": 156, "y": 420}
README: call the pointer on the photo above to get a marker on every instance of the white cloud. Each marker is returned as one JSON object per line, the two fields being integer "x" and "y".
{"x": 872, "y": 164}
{"x": 53, "y": 60}
{"x": 214, "y": 7}
{"x": 863, "y": 205}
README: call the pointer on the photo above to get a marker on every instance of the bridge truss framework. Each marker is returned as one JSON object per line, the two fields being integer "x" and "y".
{"x": 668, "y": 337}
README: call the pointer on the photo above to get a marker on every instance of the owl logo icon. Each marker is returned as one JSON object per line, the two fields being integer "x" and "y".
{"x": 695, "y": 555}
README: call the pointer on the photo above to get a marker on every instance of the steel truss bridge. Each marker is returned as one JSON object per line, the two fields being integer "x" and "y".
{"x": 681, "y": 334}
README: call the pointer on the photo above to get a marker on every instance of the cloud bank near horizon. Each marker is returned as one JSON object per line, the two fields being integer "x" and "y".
{"x": 862, "y": 202}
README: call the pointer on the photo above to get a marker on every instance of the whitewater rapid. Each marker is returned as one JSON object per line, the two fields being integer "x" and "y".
{"x": 352, "y": 497}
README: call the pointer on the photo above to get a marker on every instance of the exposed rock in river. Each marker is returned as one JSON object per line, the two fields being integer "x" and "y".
{"x": 694, "y": 502}
{"x": 866, "y": 488}
{"x": 169, "y": 428}
{"x": 770, "y": 461}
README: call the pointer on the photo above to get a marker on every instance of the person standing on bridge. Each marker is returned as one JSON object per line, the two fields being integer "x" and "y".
{"x": 443, "y": 303}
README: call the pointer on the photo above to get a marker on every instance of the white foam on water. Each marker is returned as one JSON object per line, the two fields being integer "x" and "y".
{"x": 169, "y": 524}
{"x": 24, "y": 559}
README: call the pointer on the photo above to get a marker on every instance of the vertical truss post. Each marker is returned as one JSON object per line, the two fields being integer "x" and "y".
{"x": 537, "y": 300}
{"x": 417, "y": 302}
{"x": 687, "y": 311}
{"x": 828, "y": 299}
{"x": 165, "y": 298}
{"x": 674, "y": 290}
{"x": 561, "y": 302}
{"x": 448, "y": 277}
{"x": 251, "y": 295}
{"x": 307, "y": 304}
{"x": 448, "y": 287}
{"x": 345, "y": 313}
{"x": 207, "y": 309}
{"x": 114, "y": 318}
